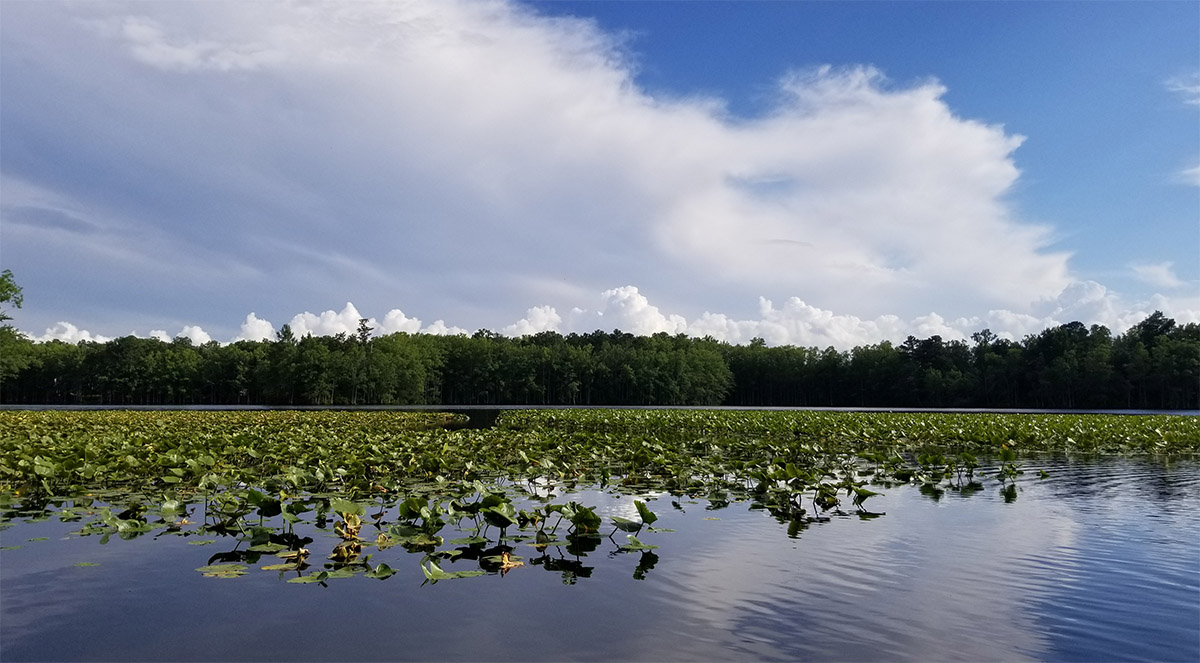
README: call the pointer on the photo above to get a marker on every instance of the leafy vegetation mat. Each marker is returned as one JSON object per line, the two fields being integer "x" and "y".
{"x": 420, "y": 482}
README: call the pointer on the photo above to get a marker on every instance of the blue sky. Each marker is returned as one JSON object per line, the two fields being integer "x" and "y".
{"x": 813, "y": 173}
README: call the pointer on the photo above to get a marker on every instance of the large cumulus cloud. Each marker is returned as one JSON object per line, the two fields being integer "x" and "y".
{"x": 168, "y": 165}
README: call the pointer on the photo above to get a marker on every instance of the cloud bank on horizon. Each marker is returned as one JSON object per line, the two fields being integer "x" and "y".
{"x": 179, "y": 164}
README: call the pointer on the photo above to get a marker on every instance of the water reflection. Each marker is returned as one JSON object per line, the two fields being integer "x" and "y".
{"x": 933, "y": 580}
{"x": 1097, "y": 561}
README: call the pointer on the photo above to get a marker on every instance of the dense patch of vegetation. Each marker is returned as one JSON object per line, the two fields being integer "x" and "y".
{"x": 363, "y": 453}
{"x": 417, "y": 483}
{"x": 1155, "y": 364}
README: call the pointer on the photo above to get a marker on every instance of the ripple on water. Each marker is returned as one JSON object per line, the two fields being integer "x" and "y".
{"x": 1053, "y": 575}
{"x": 1097, "y": 562}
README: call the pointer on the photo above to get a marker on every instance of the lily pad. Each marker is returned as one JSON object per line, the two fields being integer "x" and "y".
{"x": 223, "y": 570}
{"x": 381, "y": 572}
{"x": 434, "y": 572}
{"x": 635, "y": 545}
{"x": 304, "y": 580}
{"x": 648, "y": 516}
{"x": 626, "y": 525}
{"x": 267, "y": 547}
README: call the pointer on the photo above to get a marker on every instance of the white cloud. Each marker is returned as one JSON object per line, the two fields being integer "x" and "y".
{"x": 331, "y": 323}
{"x": 627, "y": 309}
{"x": 1190, "y": 176}
{"x": 65, "y": 331}
{"x": 1011, "y": 325}
{"x": 255, "y": 329}
{"x": 395, "y": 321}
{"x": 875, "y": 196}
{"x": 440, "y": 328}
{"x": 801, "y": 324}
{"x": 794, "y": 323}
{"x": 328, "y": 323}
{"x": 855, "y": 192}
{"x": 149, "y": 42}
{"x": 1188, "y": 86}
{"x": 1092, "y": 303}
{"x": 1159, "y": 275}
{"x": 191, "y": 332}
{"x": 195, "y": 334}
{"x": 537, "y": 319}
{"x": 798, "y": 323}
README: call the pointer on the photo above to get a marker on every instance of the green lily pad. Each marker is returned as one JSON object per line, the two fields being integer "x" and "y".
{"x": 267, "y": 547}
{"x": 218, "y": 568}
{"x": 434, "y": 572}
{"x": 223, "y": 570}
{"x": 304, "y": 580}
{"x": 626, "y": 525}
{"x": 635, "y": 545}
{"x": 381, "y": 572}
{"x": 648, "y": 516}
{"x": 347, "y": 507}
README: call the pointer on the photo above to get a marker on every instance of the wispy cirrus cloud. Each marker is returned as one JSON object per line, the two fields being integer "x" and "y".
{"x": 1187, "y": 86}
{"x": 1190, "y": 176}
{"x": 1159, "y": 275}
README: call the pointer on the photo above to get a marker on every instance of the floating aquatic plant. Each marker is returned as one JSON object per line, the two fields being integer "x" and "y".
{"x": 388, "y": 480}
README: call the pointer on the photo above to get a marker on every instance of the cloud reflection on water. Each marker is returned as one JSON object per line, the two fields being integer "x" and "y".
{"x": 1096, "y": 561}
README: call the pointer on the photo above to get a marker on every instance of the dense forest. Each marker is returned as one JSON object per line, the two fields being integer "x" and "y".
{"x": 1155, "y": 364}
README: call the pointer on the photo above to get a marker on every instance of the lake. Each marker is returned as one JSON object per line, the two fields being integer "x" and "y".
{"x": 1098, "y": 561}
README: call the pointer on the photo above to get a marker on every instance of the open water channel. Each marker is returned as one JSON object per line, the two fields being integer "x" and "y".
{"x": 1099, "y": 561}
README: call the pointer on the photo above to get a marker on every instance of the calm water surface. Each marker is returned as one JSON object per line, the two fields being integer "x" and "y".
{"x": 1101, "y": 561}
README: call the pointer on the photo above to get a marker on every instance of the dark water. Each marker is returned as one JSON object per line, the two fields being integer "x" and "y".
{"x": 1100, "y": 561}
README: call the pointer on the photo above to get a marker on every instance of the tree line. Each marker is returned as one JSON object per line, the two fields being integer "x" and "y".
{"x": 1153, "y": 365}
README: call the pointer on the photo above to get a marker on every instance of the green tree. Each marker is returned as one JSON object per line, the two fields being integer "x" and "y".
{"x": 279, "y": 376}
{"x": 16, "y": 350}
{"x": 17, "y": 353}
{"x": 10, "y": 293}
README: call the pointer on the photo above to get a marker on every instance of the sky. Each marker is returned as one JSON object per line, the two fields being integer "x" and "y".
{"x": 811, "y": 173}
